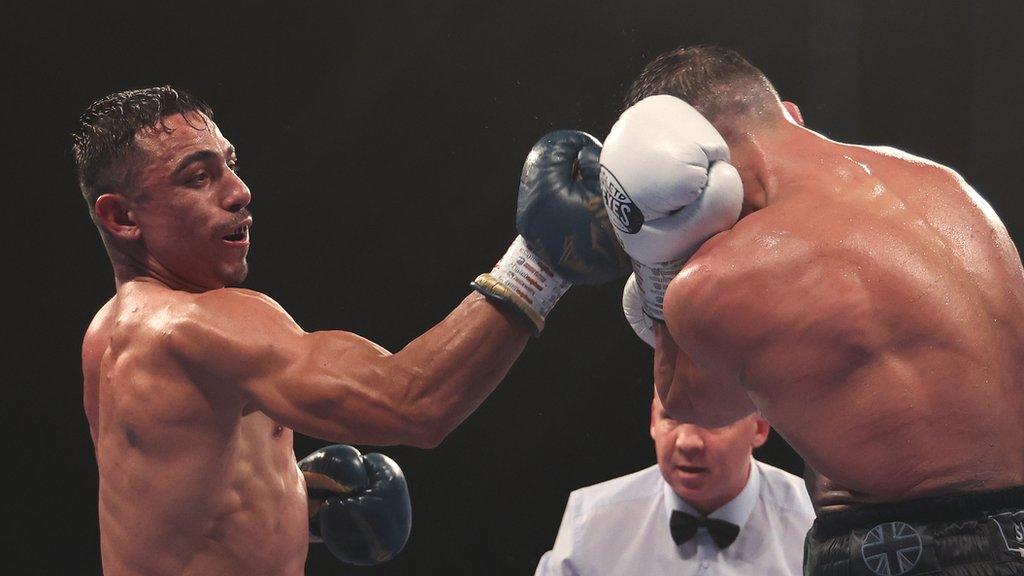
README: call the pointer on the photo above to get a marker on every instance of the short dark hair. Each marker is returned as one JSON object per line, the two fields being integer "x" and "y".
{"x": 716, "y": 81}
{"x": 106, "y": 132}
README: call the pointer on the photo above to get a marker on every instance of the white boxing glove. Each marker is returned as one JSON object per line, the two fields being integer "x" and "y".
{"x": 633, "y": 308}
{"x": 667, "y": 186}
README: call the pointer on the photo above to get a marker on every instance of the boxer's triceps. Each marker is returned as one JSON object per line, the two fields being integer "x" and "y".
{"x": 339, "y": 386}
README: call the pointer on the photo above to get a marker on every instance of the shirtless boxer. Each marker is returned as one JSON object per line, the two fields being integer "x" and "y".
{"x": 867, "y": 301}
{"x": 192, "y": 389}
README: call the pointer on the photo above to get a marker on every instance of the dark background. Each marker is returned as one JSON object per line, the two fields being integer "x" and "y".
{"x": 383, "y": 143}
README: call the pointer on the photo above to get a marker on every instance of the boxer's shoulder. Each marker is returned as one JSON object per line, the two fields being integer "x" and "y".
{"x": 219, "y": 327}
{"x": 893, "y": 154}
{"x": 757, "y": 243}
{"x": 769, "y": 265}
{"x": 890, "y": 163}
{"x": 232, "y": 301}
{"x": 99, "y": 329}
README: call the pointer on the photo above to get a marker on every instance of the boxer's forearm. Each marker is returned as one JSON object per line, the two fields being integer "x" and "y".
{"x": 453, "y": 367}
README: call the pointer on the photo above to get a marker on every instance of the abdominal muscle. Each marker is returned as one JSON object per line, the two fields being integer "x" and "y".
{"x": 189, "y": 483}
{"x": 200, "y": 509}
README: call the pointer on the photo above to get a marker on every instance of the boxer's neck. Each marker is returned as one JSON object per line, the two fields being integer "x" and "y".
{"x": 771, "y": 159}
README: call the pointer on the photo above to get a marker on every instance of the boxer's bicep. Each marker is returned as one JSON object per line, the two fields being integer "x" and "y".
{"x": 332, "y": 385}
{"x": 341, "y": 387}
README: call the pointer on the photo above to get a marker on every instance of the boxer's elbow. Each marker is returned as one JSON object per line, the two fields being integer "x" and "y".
{"x": 429, "y": 438}
{"x": 433, "y": 421}
{"x": 423, "y": 428}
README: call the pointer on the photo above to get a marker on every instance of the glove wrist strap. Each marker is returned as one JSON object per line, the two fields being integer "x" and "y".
{"x": 633, "y": 309}
{"x": 524, "y": 281}
{"x": 652, "y": 280}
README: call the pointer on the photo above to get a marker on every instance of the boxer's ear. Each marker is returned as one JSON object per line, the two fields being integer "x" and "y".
{"x": 793, "y": 112}
{"x": 115, "y": 217}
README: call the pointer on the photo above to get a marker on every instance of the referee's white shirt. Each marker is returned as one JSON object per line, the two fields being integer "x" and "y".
{"x": 622, "y": 527}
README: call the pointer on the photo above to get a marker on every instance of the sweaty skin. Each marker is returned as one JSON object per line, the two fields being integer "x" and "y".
{"x": 873, "y": 310}
{"x": 192, "y": 389}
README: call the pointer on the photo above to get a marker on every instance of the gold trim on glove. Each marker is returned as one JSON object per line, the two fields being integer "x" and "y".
{"x": 490, "y": 287}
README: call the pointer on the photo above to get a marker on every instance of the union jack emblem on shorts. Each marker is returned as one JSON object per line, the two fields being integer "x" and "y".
{"x": 891, "y": 549}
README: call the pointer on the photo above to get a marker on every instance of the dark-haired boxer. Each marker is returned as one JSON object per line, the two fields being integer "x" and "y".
{"x": 868, "y": 302}
{"x": 192, "y": 388}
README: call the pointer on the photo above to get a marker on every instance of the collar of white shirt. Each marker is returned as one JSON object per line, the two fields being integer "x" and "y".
{"x": 736, "y": 510}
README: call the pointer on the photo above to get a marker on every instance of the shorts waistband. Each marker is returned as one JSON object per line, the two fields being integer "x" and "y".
{"x": 948, "y": 507}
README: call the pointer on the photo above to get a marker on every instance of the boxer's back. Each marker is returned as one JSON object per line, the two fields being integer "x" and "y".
{"x": 883, "y": 329}
{"x": 189, "y": 482}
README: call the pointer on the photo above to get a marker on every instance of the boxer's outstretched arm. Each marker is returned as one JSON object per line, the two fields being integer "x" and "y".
{"x": 340, "y": 387}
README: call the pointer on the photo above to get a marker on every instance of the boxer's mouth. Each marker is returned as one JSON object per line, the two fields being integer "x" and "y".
{"x": 241, "y": 233}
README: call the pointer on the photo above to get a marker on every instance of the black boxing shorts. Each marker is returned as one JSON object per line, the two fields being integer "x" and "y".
{"x": 970, "y": 534}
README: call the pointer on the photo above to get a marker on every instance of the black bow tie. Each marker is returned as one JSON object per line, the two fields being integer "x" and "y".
{"x": 684, "y": 527}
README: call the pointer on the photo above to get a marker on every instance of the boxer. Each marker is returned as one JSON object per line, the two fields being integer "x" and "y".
{"x": 868, "y": 302}
{"x": 192, "y": 388}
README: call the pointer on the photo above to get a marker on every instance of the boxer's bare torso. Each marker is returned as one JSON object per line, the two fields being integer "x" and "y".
{"x": 192, "y": 480}
{"x": 874, "y": 312}
{"x": 191, "y": 398}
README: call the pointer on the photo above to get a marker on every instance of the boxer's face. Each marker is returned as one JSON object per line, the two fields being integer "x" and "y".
{"x": 706, "y": 467}
{"x": 189, "y": 204}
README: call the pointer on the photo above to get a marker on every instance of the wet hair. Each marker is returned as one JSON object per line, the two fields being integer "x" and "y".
{"x": 717, "y": 81}
{"x": 105, "y": 138}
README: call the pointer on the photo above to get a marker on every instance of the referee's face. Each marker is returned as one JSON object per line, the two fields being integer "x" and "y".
{"x": 706, "y": 467}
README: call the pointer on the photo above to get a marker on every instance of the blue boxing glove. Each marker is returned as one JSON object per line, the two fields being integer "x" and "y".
{"x": 358, "y": 505}
{"x": 565, "y": 235}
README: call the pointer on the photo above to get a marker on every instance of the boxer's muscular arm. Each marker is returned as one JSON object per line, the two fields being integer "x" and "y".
{"x": 692, "y": 394}
{"x": 763, "y": 300}
{"x": 340, "y": 387}
{"x": 696, "y": 359}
